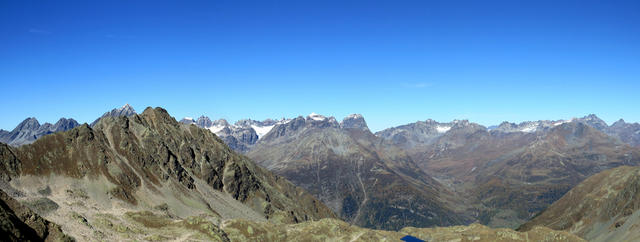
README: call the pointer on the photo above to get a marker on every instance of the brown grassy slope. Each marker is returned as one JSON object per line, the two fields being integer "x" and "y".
{"x": 604, "y": 207}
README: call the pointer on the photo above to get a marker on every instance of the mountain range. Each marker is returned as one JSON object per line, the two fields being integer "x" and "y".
{"x": 147, "y": 177}
{"x": 142, "y": 165}
{"x": 240, "y": 136}
{"x": 30, "y": 129}
{"x": 344, "y": 165}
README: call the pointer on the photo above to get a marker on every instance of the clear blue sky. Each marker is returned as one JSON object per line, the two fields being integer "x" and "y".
{"x": 395, "y": 62}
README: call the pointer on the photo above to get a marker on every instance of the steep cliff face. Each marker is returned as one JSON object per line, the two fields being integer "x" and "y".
{"x": 151, "y": 161}
{"x": 604, "y": 207}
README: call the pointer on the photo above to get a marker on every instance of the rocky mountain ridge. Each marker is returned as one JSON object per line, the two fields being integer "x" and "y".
{"x": 30, "y": 129}
{"x": 125, "y": 110}
{"x": 95, "y": 181}
{"x": 363, "y": 182}
{"x": 240, "y": 136}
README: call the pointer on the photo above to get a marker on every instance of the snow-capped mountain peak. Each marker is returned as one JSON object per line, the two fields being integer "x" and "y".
{"x": 317, "y": 117}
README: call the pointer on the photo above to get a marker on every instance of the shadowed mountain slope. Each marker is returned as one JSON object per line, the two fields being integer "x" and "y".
{"x": 604, "y": 207}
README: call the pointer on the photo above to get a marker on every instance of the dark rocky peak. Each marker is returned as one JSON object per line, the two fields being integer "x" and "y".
{"x": 204, "y": 122}
{"x": 157, "y": 114}
{"x": 354, "y": 121}
{"x": 155, "y": 117}
{"x": 65, "y": 124}
{"x": 28, "y": 124}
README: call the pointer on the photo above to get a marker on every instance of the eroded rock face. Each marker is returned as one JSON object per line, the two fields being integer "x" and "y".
{"x": 19, "y": 223}
{"x": 336, "y": 230}
{"x": 604, "y": 207}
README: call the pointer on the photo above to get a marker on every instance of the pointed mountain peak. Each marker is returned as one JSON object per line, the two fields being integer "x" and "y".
{"x": 30, "y": 123}
{"x": 65, "y": 124}
{"x": 127, "y": 107}
{"x": 157, "y": 115}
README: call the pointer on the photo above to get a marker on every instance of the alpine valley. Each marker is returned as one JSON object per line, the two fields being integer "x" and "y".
{"x": 147, "y": 176}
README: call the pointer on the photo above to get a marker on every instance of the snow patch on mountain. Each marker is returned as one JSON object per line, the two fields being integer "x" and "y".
{"x": 561, "y": 122}
{"x": 442, "y": 129}
{"x": 317, "y": 117}
{"x": 262, "y": 130}
{"x": 216, "y": 128}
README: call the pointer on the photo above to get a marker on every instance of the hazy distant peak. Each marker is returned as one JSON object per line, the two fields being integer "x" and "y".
{"x": 28, "y": 123}
{"x": 354, "y": 121}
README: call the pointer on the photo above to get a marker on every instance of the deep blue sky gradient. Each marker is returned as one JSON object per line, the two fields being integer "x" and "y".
{"x": 393, "y": 61}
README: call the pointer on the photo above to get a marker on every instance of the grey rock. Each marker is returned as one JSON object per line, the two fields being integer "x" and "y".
{"x": 30, "y": 129}
{"x": 125, "y": 110}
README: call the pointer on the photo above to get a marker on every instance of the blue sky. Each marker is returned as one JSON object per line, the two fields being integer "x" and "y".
{"x": 395, "y": 62}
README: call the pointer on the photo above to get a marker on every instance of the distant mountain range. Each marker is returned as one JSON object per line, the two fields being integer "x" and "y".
{"x": 513, "y": 171}
{"x": 456, "y": 172}
{"x": 240, "y": 136}
{"x": 149, "y": 177}
{"x": 30, "y": 129}
{"x": 344, "y": 165}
